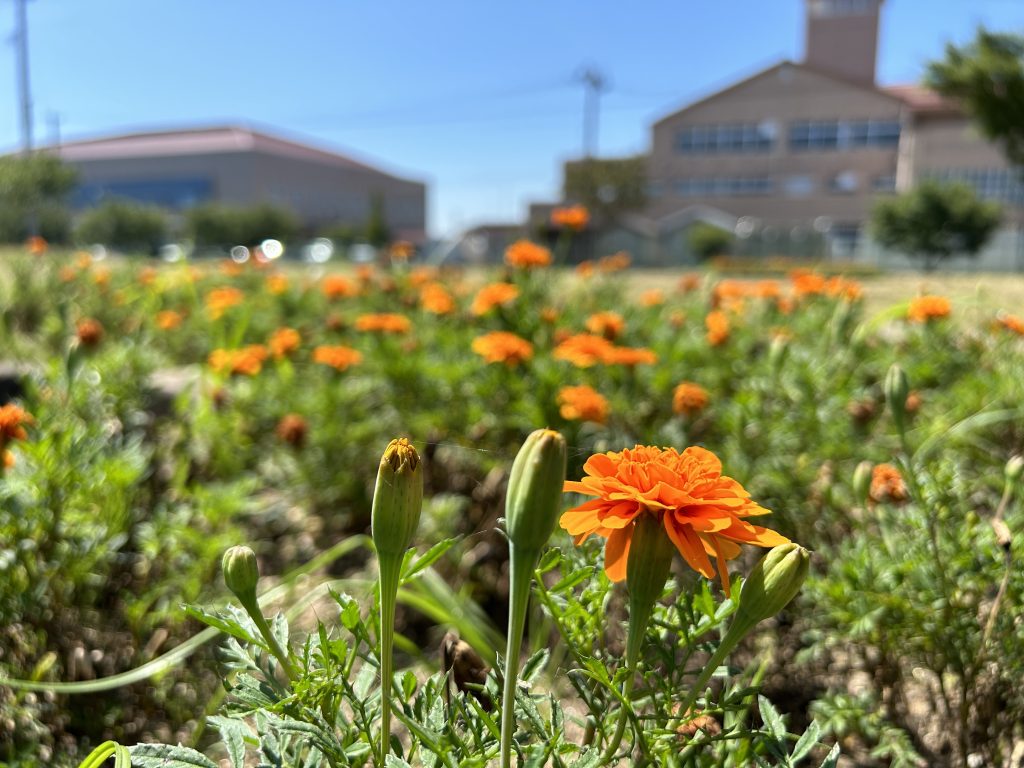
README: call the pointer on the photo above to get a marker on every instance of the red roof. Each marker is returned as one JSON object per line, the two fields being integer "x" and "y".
{"x": 921, "y": 99}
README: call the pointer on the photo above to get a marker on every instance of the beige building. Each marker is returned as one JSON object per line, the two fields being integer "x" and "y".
{"x": 800, "y": 150}
{"x": 240, "y": 166}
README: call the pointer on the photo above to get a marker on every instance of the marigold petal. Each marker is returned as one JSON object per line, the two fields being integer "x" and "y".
{"x": 723, "y": 565}
{"x": 600, "y": 464}
{"x": 576, "y": 521}
{"x": 616, "y": 553}
{"x": 689, "y": 547}
{"x": 575, "y": 486}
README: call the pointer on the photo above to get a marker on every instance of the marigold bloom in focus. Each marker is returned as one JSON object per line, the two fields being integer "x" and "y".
{"x": 689, "y": 398}
{"x": 338, "y": 357}
{"x": 219, "y": 300}
{"x": 582, "y": 403}
{"x": 89, "y": 332}
{"x": 718, "y": 327}
{"x": 493, "y": 295}
{"x": 338, "y": 287}
{"x": 503, "y": 347}
{"x": 527, "y": 255}
{"x": 701, "y": 510}
{"x": 283, "y": 342}
{"x": 926, "y": 308}
{"x": 574, "y": 217}
{"x": 247, "y": 361}
{"x": 292, "y": 429}
{"x": 436, "y": 299}
{"x": 652, "y": 298}
{"x": 583, "y": 350}
{"x": 384, "y": 322}
{"x": 887, "y": 484}
{"x": 168, "y": 320}
{"x": 607, "y": 324}
{"x": 1011, "y": 323}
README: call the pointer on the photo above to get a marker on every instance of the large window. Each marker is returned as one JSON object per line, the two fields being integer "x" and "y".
{"x": 726, "y": 186}
{"x": 167, "y": 193}
{"x": 998, "y": 184}
{"x": 726, "y": 137}
{"x": 807, "y": 135}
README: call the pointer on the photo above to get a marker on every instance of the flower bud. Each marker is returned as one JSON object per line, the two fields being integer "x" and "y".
{"x": 649, "y": 560}
{"x": 534, "y": 496}
{"x": 896, "y": 390}
{"x": 862, "y": 481}
{"x": 778, "y": 351}
{"x": 1014, "y": 468}
{"x": 397, "y": 498}
{"x": 774, "y": 581}
{"x": 241, "y": 571}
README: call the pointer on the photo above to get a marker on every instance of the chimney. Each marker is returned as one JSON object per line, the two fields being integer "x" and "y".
{"x": 842, "y": 37}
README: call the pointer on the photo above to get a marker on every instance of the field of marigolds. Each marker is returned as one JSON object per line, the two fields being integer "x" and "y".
{"x": 259, "y": 515}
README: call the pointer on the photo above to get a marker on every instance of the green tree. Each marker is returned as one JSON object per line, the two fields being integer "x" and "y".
{"x": 935, "y": 221}
{"x": 33, "y": 196}
{"x": 124, "y": 225}
{"x": 214, "y": 224}
{"x": 608, "y": 188}
{"x": 707, "y": 240}
{"x": 987, "y": 77}
{"x": 377, "y": 231}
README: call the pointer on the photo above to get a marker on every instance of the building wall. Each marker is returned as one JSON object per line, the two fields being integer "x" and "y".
{"x": 802, "y": 184}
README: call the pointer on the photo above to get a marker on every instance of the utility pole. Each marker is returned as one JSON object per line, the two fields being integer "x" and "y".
{"x": 21, "y": 42}
{"x": 593, "y": 84}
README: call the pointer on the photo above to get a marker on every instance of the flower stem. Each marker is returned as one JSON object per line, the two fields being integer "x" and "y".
{"x": 252, "y": 607}
{"x": 390, "y": 571}
{"x": 521, "y": 565}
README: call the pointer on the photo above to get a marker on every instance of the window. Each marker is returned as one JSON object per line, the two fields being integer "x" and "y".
{"x": 843, "y": 134}
{"x": 845, "y": 182}
{"x": 726, "y": 137}
{"x": 798, "y": 186}
{"x": 725, "y": 186}
{"x": 990, "y": 183}
{"x": 886, "y": 183}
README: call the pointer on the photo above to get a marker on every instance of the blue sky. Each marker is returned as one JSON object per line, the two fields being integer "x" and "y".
{"x": 479, "y": 99}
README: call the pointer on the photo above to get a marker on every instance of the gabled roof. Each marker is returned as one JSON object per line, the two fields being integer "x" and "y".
{"x": 923, "y": 100}
{"x": 201, "y": 141}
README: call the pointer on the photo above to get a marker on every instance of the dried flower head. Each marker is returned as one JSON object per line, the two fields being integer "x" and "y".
{"x": 292, "y": 429}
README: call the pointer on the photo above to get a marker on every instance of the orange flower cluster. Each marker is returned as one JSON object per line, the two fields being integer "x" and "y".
{"x": 436, "y": 299}
{"x": 89, "y": 332}
{"x": 615, "y": 263}
{"x": 503, "y": 347}
{"x": 247, "y": 361}
{"x": 12, "y": 427}
{"x": 607, "y": 324}
{"x": 689, "y": 283}
{"x": 384, "y": 322}
{"x": 807, "y": 283}
{"x": 338, "y": 287}
{"x": 652, "y": 298}
{"x": 630, "y": 356}
{"x": 718, "y": 327}
{"x": 586, "y": 349}
{"x": 924, "y": 309}
{"x": 276, "y": 284}
{"x": 168, "y": 320}
{"x": 574, "y": 217}
{"x": 701, "y": 509}
{"x": 582, "y": 403}
{"x": 422, "y": 275}
{"x": 36, "y": 245}
{"x": 527, "y": 255}
{"x": 283, "y": 342}
{"x": 292, "y": 429}
{"x": 220, "y": 300}
{"x": 1011, "y": 323}
{"x": 338, "y": 357}
{"x": 887, "y": 485}
{"x": 401, "y": 250}
{"x": 689, "y": 398}
{"x": 493, "y": 295}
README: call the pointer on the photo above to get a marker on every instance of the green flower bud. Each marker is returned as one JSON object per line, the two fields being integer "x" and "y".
{"x": 649, "y": 560}
{"x": 777, "y": 352}
{"x": 241, "y": 571}
{"x": 1014, "y": 468}
{"x": 774, "y": 581}
{"x": 862, "y": 481}
{"x": 896, "y": 390}
{"x": 534, "y": 497}
{"x": 397, "y": 498}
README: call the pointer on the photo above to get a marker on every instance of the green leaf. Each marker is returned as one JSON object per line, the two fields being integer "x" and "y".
{"x": 430, "y": 557}
{"x": 771, "y": 718}
{"x": 167, "y": 756}
{"x": 806, "y": 742}
{"x": 227, "y": 626}
{"x": 832, "y": 759}
{"x": 234, "y": 733}
{"x": 534, "y": 665}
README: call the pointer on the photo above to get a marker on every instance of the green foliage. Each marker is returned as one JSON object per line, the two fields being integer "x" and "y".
{"x": 608, "y": 188}
{"x": 707, "y": 240}
{"x": 376, "y": 229}
{"x": 124, "y": 225}
{"x": 935, "y": 221}
{"x": 987, "y": 77}
{"x": 33, "y": 193}
{"x": 214, "y": 224}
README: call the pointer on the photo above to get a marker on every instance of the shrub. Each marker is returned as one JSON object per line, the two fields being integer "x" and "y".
{"x": 215, "y": 224}
{"x": 124, "y": 225}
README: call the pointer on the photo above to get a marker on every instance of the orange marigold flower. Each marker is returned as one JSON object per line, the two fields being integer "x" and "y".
{"x": 1011, "y": 323}
{"x": 689, "y": 398}
{"x": 493, "y": 295}
{"x": 583, "y": 350}
{"x": 652, "y": 298}
{"x": 292, "y": 429}
{"x": 422, "y": 275}
{"x": 436, "y": 299}
{"x": 36, "y": 245}
{"x": 89, "y": 332}
{"x": 13, "y": 419}
{"x": 582, "y": 403}
{"x": 67, "y": 274}
{"x": 247, "y": 361}
{"x": 147, "y": 276}
{"x": 689, "y": 283}
{"x": 630, "y": 356}
{"x": 768, "y": 289}
{"x": 726, "y": 291}
{"x": 887, "y": 484}
{"x": 339, "y": 356}
{"x": 283, "y": 342}
{"x": 701, "y": 509}
{"x": 718, "y": 327}
{"x": 607, "y": 324}
{"x": 384, "y": 322}
{"x": 615, "y": 263}
{"x": 840, "y": 287}
{"x": 585, "y": 268}
{"x": 338, "y": 287}
{"x": 527, "y": 255}
{"x": 574, "y": 217}
{"x": 168, "y": 320}
{"x": 401, "y": 250}
{"x": 101, "y": 277}
{"x": 807, "y": 283}
{"x": 503, "y": 347}
{"x": 276, "y": 284}
{"x": 926, "y": 308}
{"x": 549, "y": 315}
{"x": 8, "y": 460}
{"x": 219, "y": 300}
